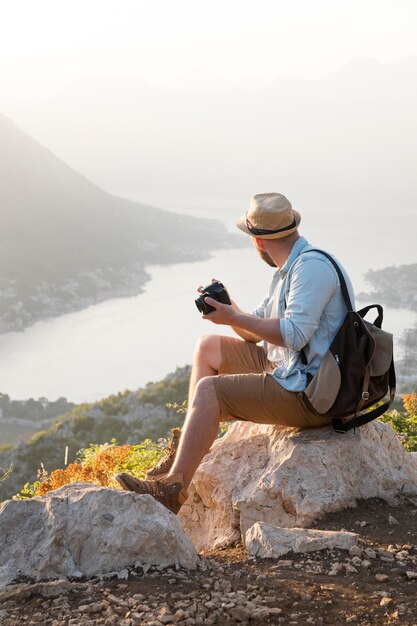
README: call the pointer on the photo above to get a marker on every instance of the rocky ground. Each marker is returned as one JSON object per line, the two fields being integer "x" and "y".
{"x": 376, "y": 583}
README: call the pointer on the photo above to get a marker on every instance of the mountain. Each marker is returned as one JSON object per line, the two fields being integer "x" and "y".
{"x": 347, "y": 140}
{"x": 65, "y": 243}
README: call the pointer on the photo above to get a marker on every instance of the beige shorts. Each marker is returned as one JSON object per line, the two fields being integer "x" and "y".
{"x": 246, "y": 392}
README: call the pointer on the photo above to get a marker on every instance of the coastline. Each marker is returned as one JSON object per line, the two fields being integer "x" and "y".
{"x": 55, "y": 301}
{"x": 48, "y": 301}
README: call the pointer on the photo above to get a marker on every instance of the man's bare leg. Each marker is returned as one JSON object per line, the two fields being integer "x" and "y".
{"x": 207, "y": 361}
{"x": 199, "y": 431}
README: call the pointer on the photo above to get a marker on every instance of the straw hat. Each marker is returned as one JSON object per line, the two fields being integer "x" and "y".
{"x": 270, "y": 216}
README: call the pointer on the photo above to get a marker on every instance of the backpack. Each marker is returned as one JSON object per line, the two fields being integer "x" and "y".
{"x": 356, "y": 372}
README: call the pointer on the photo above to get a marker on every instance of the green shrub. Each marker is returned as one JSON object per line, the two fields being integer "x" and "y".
{"x": 82, "y": 424}
{"x": 405, "y": 426}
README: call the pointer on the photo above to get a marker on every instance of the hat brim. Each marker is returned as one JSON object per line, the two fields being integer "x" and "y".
{"x": 241, "y": 224}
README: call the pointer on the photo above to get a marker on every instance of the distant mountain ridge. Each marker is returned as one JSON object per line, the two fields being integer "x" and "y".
{"x": 65, "y": 243}
{"x": 347, "y": 140}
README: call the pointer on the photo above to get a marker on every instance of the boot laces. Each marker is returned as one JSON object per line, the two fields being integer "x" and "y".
{"x": 152, "y": 487}
{"x": 170, "y": 451}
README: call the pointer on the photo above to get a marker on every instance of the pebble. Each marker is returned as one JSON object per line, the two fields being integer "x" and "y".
{"x": 411, "y": 575}
{"x": 274, "y": 611}
{"x": 179, "y": 615}
{"x": 385, "y": 554}
{"x": 240, "y": 614}
{"x": 335, "y": 569}
{"x": 355, "y": 551}
{"x": 260, "y": 614}
{"x": 402, "y": 555}
{"x": 370, "y": 553}
{"x": 386, "y": 602}
{"x": 381, "y": 578}
{"x": 392, "y": 521}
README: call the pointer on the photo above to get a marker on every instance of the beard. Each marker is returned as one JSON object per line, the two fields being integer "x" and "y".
{"x": 265, "y": 257}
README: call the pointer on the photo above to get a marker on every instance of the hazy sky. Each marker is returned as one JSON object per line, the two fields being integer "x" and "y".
{"x": 162, "y": 40}
{"x": 72, "y": 76}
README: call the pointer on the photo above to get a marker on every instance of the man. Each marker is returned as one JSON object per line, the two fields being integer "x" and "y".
{"x": 235, "y": 379}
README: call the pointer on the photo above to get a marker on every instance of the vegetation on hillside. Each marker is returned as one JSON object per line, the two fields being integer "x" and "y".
{"x": 19, "y": 419}
{"x": 129, "y": 416}
{"x": 405, "y": 422}
{"x": 33, "y": 410}
{"x": 98, "y": 464}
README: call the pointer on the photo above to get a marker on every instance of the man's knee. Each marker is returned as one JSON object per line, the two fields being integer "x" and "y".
{"x": 208, "y": 349}
{"x": 205, "y": 392}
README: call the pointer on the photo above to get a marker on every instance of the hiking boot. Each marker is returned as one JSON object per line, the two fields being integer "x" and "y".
{"x": 165, "y": 464}
{"x": 168, "y": 491}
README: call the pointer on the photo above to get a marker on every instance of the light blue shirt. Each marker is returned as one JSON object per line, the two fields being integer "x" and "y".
{"x": 313, "y": 314}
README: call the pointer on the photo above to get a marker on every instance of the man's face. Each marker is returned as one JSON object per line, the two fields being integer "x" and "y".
{"x": 264, "y": 254}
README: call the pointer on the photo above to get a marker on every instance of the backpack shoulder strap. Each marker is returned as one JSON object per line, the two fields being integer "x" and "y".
{"x": 343, "y": 285}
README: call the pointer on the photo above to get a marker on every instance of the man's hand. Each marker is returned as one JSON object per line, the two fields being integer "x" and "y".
{"x": 223, "y": 313}
{"x": 217, "y": 316}
{"x": 256, "y": 327}
{"x": 227, "y": 315}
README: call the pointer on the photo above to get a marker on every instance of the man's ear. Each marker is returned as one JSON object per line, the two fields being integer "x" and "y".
{"x": 259, "y": 242}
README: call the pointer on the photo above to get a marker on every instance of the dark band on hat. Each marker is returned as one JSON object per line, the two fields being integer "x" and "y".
{"x": 262, "y": 231}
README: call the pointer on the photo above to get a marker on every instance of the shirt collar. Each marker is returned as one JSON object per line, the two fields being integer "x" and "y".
{"x": 297, "y": 248}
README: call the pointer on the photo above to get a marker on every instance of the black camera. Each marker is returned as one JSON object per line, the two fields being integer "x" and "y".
{"x": 217, "y": 292}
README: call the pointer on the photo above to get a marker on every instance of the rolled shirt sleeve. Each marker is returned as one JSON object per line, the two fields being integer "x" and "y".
{"x": 261, "y": 308}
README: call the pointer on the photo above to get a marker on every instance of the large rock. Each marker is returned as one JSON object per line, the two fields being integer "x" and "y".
{"x": 86, "y": 530}
{"x": 289, "y": 477}
{"x": 269, "y": 541}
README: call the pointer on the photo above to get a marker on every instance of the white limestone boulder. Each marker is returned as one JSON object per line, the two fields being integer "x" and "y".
{"x": 269, "y": 541}
{"x": 86, "y": 530}
{"x": 290, "y": 477}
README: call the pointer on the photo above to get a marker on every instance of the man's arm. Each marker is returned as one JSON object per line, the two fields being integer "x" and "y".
{"x": 313, "y": 283}
{"x": 244, "y": 334}
{"x": 257, "y": 327}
